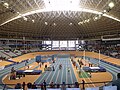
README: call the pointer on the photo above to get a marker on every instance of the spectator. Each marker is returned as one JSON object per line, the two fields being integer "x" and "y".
{"x": 58, "y": 85}
{"x": 83, "y": 83}
{"x": 69, "y": 86}
{"x": 76, "y": 85}
{"x": 63, "y": 86}
{"x": 29, "y": 85}
{"x": 23, "y": 85}
{"x": 51, "y": 85}
{"x": 44, "y": 84}
{"x": 117, "y": 82}
{"x": 34, "y": 86}
{"x": 18, "y": 86}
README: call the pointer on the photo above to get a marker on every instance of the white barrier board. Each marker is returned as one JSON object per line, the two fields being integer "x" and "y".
{"x": 72, "y": 88}
{"x": 33, "y": 89}
{"x": 92, "y": 88}
{"x": 53, "y": 89}
{"x": 14, "y": 89}
{"x": 110, "y": 88}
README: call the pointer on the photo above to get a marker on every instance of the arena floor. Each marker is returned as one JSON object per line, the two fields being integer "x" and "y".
{"x": 59, "y": 76}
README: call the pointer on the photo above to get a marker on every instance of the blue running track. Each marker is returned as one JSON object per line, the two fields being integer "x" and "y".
{"x": 59, "y": 75}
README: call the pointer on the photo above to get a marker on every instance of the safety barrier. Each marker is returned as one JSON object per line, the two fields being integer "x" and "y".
{"x": 75, "y": 86}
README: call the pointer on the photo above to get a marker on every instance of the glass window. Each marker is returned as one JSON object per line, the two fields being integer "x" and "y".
{"x": 71, "y": 43}
{"x": 47, "y": 42}
{"x": 55, "y": 44}
{"x": 77, "y": 42}
{"x": 63, "y": 43}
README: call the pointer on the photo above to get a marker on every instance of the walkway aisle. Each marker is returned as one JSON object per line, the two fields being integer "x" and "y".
{"x": 59, "y": 75}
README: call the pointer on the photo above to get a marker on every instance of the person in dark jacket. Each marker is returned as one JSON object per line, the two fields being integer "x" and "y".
{"x": 23, "y": 85}
{"x": 29, "y": 85}
{"x": 117, "y": 82}
{"x": 44, "y": 84}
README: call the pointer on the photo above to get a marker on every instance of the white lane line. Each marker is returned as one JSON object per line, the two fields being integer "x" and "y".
{"x": 62, "y": 73}
{"x": 66, "y": 71}
{"x": 71, "y": 77}
{"x": 71, "y": 72}
{"x": 42, "y": 77}
{"x": 49, "y": 75}
{"x": 57, "y": 74}
{"x": 54, "y": 73}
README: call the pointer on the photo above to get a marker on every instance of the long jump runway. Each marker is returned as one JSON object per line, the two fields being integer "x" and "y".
{"x": 59, "y": 75}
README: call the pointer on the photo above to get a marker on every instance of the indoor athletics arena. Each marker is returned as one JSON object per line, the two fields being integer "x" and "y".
{"x": 59, "y": 44}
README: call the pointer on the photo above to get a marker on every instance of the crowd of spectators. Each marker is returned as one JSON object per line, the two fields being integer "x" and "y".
{"x": 63, "y": 86}
{"x": 44, "y": 85}
{"x": 109, "y": 50}
{"x": 112, "y": 51}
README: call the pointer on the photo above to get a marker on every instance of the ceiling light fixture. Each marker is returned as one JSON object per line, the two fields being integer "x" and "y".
{"x": 85, "y": 21}
{"x": 96, "y": 18}
{"x": 80, "y": 23}
{"x": 46, "y": 23}
{"x": 54, "y": 24}
{"x": 111, "y": 4}
{"x": 25, "y": 18}
{"x": 88, "y": 20}
{"x": 18, "y": 12}
{"x": 33, "y": 21}
{"x": 104, "y": 11}
{"x": 6, "y": 5}
{"x": 70, "y": 24}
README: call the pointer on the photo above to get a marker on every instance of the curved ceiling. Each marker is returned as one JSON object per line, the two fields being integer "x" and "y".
{"x": 34, "y": 20}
